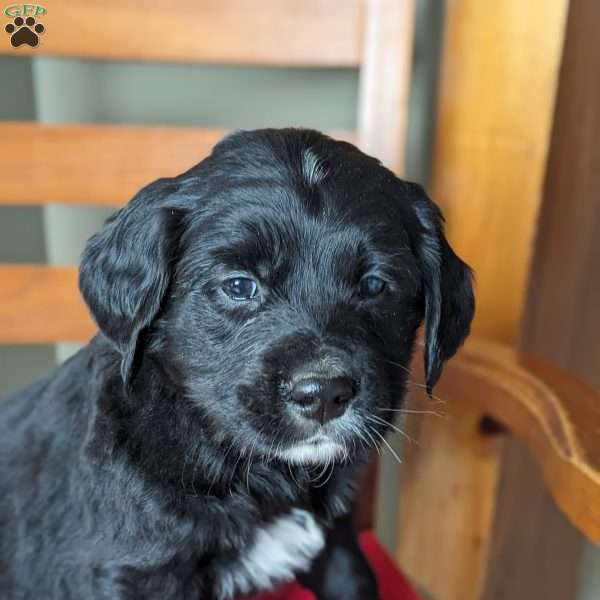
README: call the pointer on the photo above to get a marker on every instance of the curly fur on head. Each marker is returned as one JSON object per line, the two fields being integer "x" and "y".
{"x": 180, "y": 454}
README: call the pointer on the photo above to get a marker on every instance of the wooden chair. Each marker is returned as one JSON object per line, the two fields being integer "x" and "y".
{"x": 553, "y": 413}
{"x": 516, "y": 170}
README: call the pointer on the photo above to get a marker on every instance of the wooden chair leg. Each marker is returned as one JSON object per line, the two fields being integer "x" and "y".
{"x": 471, "y": 529}
{"x": 486, "y": 126}
{"x": 447, "y": 493}
{"x": 535, "y": 552}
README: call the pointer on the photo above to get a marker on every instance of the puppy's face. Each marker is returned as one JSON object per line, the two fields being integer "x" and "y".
{"x": 280, "y": 284}
{"x": 292, "y": 317}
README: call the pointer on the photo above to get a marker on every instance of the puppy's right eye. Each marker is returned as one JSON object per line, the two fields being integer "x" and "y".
{"x": 240, "y": 288}
{"x": 371, "y": 286}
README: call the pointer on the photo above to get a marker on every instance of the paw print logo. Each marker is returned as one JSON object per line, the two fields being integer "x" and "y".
{"x": 24, "y": 31}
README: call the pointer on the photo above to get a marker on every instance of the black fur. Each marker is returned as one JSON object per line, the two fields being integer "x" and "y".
{"x": 148, "y": 459}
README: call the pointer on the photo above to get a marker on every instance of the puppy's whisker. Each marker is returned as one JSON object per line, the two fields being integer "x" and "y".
{"x": 411, "y": 381}
{"x": 387, "y": 423}
{"x": 397, "y": 364}
{"x": 354, "y": 443}
{"x": 358, "y": 439}
{"x": 353, "y": 438}
{"x": 375, "y": 444}
{"x": 332, "y": 463}
{"x": 422, "y": 386}
{"x": 318, "y": 477}
{"x": 354, "y": 428}
{"x": 398, "y": 460}
{"x": 322, "y": 472}
{"x": 268, "y": 458}
{"x": 410, "y": 411}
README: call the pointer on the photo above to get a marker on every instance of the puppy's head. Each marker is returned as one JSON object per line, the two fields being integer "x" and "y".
{"x": 280, "y": 284}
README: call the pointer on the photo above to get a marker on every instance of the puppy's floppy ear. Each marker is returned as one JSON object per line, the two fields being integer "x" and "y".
{"x": 449, "y": 300}
{"x": 126, "y": 267}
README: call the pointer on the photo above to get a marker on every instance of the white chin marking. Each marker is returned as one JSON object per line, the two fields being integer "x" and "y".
{"x": 312, "y": 452}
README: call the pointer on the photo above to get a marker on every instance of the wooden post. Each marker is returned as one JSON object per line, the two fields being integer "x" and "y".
{"x": 536, "y": 552}
{"x": 500, "y": 68}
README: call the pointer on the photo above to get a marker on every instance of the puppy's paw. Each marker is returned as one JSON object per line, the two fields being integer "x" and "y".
{"x": 280, "y": 550}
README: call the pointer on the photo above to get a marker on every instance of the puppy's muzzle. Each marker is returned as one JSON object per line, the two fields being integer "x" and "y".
{"x": 322, "y": 398}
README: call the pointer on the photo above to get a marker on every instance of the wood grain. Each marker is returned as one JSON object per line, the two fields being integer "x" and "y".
{"x": 536, "y": 551}
{"x": 446, "y": 499}
{"x": 93, "y": 164}
{"x": 554, "y": 413}
{"x": 266, "y": 32}
{"x": 500, "y": 64}
{"x": 42, "y": 305}
{"x": 96, "y": 164}
{"x": 385, "y": 80}
{"x": 499, "y": 75}
{"x": 556, "y": 417}
{"x": 562, "y": 313}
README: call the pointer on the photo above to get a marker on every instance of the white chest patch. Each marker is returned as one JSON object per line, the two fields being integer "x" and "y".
{"x": 279, "y": 550}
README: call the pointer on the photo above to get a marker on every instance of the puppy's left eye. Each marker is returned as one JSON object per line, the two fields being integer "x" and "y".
{"x": 240, "y": 288}
{"x": 371, "y": 286}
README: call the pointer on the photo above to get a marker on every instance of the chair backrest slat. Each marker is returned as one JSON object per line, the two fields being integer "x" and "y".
{"x": 97, "y": 164}
{"x": 322, "y": 33}
{"x": 385, "y": 80}
{"x": 41, "y": 305}
{"x": 93, "y": 164}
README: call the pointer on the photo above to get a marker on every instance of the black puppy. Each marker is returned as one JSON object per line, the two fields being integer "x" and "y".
{"x": 257, "y": 316}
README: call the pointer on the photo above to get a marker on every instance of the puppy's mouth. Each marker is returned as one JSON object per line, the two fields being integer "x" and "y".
{"x": 317, "y": 449}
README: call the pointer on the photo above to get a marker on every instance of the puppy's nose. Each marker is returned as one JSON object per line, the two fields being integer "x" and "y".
{"x": 322, "y": 398}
